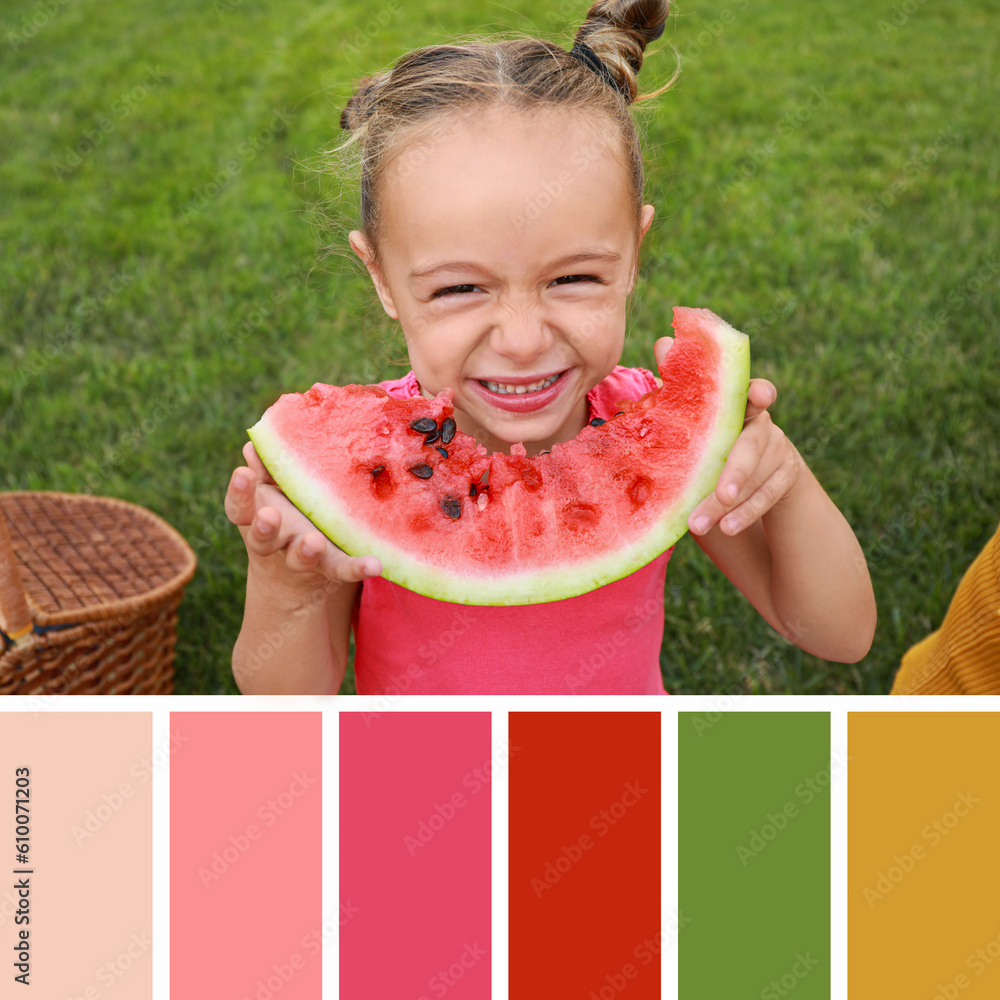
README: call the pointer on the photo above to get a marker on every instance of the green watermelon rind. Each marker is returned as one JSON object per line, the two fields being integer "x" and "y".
{"x": 315, "y": 500}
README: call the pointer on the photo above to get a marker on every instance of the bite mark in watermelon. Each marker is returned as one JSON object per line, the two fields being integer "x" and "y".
{"x": 394, "y": 479}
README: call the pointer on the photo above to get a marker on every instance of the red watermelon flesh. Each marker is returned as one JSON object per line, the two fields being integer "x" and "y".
{"x": 452, "y": 522}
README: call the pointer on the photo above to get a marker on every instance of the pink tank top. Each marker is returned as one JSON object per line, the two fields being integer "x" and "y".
{"x": 603, "y": 642}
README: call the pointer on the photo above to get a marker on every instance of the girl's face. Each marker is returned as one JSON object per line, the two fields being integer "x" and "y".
{"x": 508, "y": 254}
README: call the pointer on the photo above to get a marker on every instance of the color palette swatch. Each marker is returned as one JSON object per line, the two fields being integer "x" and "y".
{"x": 923, "y": 858}
{"x": 584, "y": 889}
{"x": 415, "y": 854}
{"x": 412, "y": 867}
{"x": 754, "y": 855}
{"x": 76, "y": 903}
{"x": 246, "y": 855}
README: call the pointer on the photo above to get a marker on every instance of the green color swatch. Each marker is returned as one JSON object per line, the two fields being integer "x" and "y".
{"x": 754, "y": 854}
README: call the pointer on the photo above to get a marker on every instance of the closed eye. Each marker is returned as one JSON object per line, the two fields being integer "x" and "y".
{"x": 454, "y": 290}
{"x": 572, "y": 279}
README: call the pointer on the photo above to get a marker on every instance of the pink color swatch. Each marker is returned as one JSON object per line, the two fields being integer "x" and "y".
{"x": 246, "y": 855}
{"x": 415, "y": 837}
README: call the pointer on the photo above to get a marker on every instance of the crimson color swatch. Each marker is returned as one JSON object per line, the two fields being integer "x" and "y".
{"x": 415, "y": 866}
{"x": 585, "y": 855}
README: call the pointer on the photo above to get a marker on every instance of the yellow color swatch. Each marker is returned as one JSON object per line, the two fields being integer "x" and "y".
{"x": 923, "y": 895}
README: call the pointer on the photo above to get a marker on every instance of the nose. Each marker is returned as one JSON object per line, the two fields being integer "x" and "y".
{"x": 521, "y": 335}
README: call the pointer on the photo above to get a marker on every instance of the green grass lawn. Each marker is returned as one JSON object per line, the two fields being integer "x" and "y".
{"x": 826, "y": 178}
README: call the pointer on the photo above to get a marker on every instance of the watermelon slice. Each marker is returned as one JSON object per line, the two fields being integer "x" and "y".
{"x": 395, "y": 479}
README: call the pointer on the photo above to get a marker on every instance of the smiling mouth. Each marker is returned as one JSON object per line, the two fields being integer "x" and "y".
{"x": 509, "y": 389}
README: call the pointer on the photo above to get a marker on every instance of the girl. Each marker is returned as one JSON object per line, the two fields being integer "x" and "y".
{"x": 502, "y": 216}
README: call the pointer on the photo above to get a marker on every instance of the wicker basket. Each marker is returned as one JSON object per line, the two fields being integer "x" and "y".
{"x": 89, "y": 589}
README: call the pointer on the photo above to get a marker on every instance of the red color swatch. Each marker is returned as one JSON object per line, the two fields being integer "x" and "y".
{"x": 585, "y": 855}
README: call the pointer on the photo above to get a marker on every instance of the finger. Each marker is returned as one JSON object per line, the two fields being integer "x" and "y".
{"x": 744, "y": 458}
{"x": 338, "y": 565}
{"x": 304, "y": 552}
{"x": 314, "y": 552}
{"x": 253, "y": 460}
{"x": 239, "y": 504}
{"x": 760, "y": 396}
{"x": 756, "y": 505}
{"x": 660, "y": 349}
{"x": 706, "y": 515}
{"x": 265, "y": 536}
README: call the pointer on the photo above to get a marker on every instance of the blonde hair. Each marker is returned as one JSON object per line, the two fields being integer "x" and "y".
{"x": 423, "y": 92}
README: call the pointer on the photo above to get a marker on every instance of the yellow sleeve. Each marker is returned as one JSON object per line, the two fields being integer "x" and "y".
{"x": 963, "y": 655}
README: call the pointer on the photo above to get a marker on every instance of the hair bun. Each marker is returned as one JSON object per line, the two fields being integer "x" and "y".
{"x": 651, "y": 30}
{"x": 645, "y": 19}
{"x": 619, "y": 31}
{"x": 361, "y": 104}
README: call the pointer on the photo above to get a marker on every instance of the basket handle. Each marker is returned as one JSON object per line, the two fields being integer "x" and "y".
{"x": 13, "y": 606}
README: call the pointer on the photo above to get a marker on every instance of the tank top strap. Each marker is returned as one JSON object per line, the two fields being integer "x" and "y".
{"x": 406, "y": 387}
{"x": 623, "y": 383}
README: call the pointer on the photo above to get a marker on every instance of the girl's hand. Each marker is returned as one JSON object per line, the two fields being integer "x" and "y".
{"x": 280, "y": 537}
{"x": 762, "y": 469}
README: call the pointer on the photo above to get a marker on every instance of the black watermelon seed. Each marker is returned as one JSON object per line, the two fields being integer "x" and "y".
{"x": 596, "y": 422}
{"x": 422, "y": 471}
{"x": 472, "y": 490}
{"x": 452, "y": 507}
{"x": 441, "y": 452}
{"x": 423, "y": 425}
{"x": 432, "y": 437}
{"x": 378, "y": 470}
{"x": 620, "y": 413}
{"x": 447, "y": 430}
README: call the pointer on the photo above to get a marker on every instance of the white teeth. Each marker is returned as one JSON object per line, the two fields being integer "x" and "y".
{"x": 505, "y": 388}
